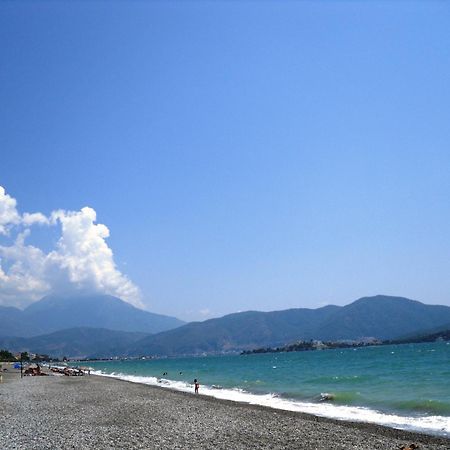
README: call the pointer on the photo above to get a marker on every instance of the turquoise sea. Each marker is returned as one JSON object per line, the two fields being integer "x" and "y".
{"x": 402, "y": 386}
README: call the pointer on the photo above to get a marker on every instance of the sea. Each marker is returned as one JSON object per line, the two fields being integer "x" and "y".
{"x": 401, "y": 386}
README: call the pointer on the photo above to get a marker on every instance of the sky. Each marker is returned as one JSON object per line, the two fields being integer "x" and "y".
{"x": 203, "y": 158}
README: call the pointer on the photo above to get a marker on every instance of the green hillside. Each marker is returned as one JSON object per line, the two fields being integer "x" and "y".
{"x": 75, "y": 343}
{"x": 380, "y": 317}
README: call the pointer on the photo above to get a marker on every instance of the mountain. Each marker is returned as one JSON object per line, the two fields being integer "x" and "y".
{"x": 426, "y": 335}
{"x": 235, "y": 331}
{"x": 381, "y": 317}
{"x": 75, "y": 343}
{"x": 12, "y": 322}
{"x": 53, "y": 313}
{"x": 443, "y": 335}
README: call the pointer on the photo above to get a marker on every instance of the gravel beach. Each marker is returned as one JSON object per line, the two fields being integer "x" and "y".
{"x": 103, "y": 413}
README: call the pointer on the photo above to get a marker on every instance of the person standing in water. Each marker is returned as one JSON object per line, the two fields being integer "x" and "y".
{"x": 196, "y": 385}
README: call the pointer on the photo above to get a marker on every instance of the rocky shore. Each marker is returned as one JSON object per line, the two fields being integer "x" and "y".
{"x": 103, "y": 413}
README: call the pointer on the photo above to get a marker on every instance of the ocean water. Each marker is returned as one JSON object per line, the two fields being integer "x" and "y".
{"x": 401, "y": 386}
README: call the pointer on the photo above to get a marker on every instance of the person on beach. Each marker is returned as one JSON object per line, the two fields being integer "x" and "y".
{"x": 196, "y": 384}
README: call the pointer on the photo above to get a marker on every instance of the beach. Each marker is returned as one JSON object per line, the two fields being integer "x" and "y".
{"x": 85, "y": 412}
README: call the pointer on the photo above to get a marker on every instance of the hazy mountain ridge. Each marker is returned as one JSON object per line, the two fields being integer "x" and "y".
{"x": 381, "y": 317}
{"x": 54, "y": 313}
{"x": 80, "y": 342}
{"x": 426, "y": 334}
{"x": 12, "y": 322}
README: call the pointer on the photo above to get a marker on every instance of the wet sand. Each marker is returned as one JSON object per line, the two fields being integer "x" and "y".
{"x": 103, "y": 413}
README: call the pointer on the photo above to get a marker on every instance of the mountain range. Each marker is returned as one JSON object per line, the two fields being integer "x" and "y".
{"x": 55, "y": 313}
{"x": 381, "y": 317}
{"x": 104, "y": 326}
{"x": 81, "y": 342}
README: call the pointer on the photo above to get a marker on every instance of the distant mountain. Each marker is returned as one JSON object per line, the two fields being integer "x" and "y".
{"x": 75, "y": 343}
{"x": 381, "y": 317}
{"x": 427, "y": 335}
{"x": 55, "y": 313}
{"x": 443, "y": 335}
{"x": 12, "y": 322}
{"x": 237, "y": 331}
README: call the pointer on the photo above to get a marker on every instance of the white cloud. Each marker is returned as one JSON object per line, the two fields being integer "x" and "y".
{"x": 30, "y": 219}
{"x": 25, "y": 280}
{"x": 204, "y": 313}
{"x": 81, "y": 260}
{"x": 8, "y": 212}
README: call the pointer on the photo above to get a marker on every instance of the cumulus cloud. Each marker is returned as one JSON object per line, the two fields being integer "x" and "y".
{"x": 8, "y": 212}
{"x": 80, "y": 261}
{"x": 30, "y": 219}
{"x": 25, "y": 280}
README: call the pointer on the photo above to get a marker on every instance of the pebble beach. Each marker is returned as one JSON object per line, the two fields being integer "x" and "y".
{"x": 56, "y": 412}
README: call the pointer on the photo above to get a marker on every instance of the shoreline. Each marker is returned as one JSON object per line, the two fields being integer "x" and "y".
{"x": 324, "y": 410}
{"x": 52, "y": 412}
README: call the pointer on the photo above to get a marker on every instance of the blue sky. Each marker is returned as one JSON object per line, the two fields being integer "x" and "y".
{"x": 243, "y": 155}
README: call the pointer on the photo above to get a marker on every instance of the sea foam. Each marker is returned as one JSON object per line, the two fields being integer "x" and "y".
{"x": 436, "y": 425}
